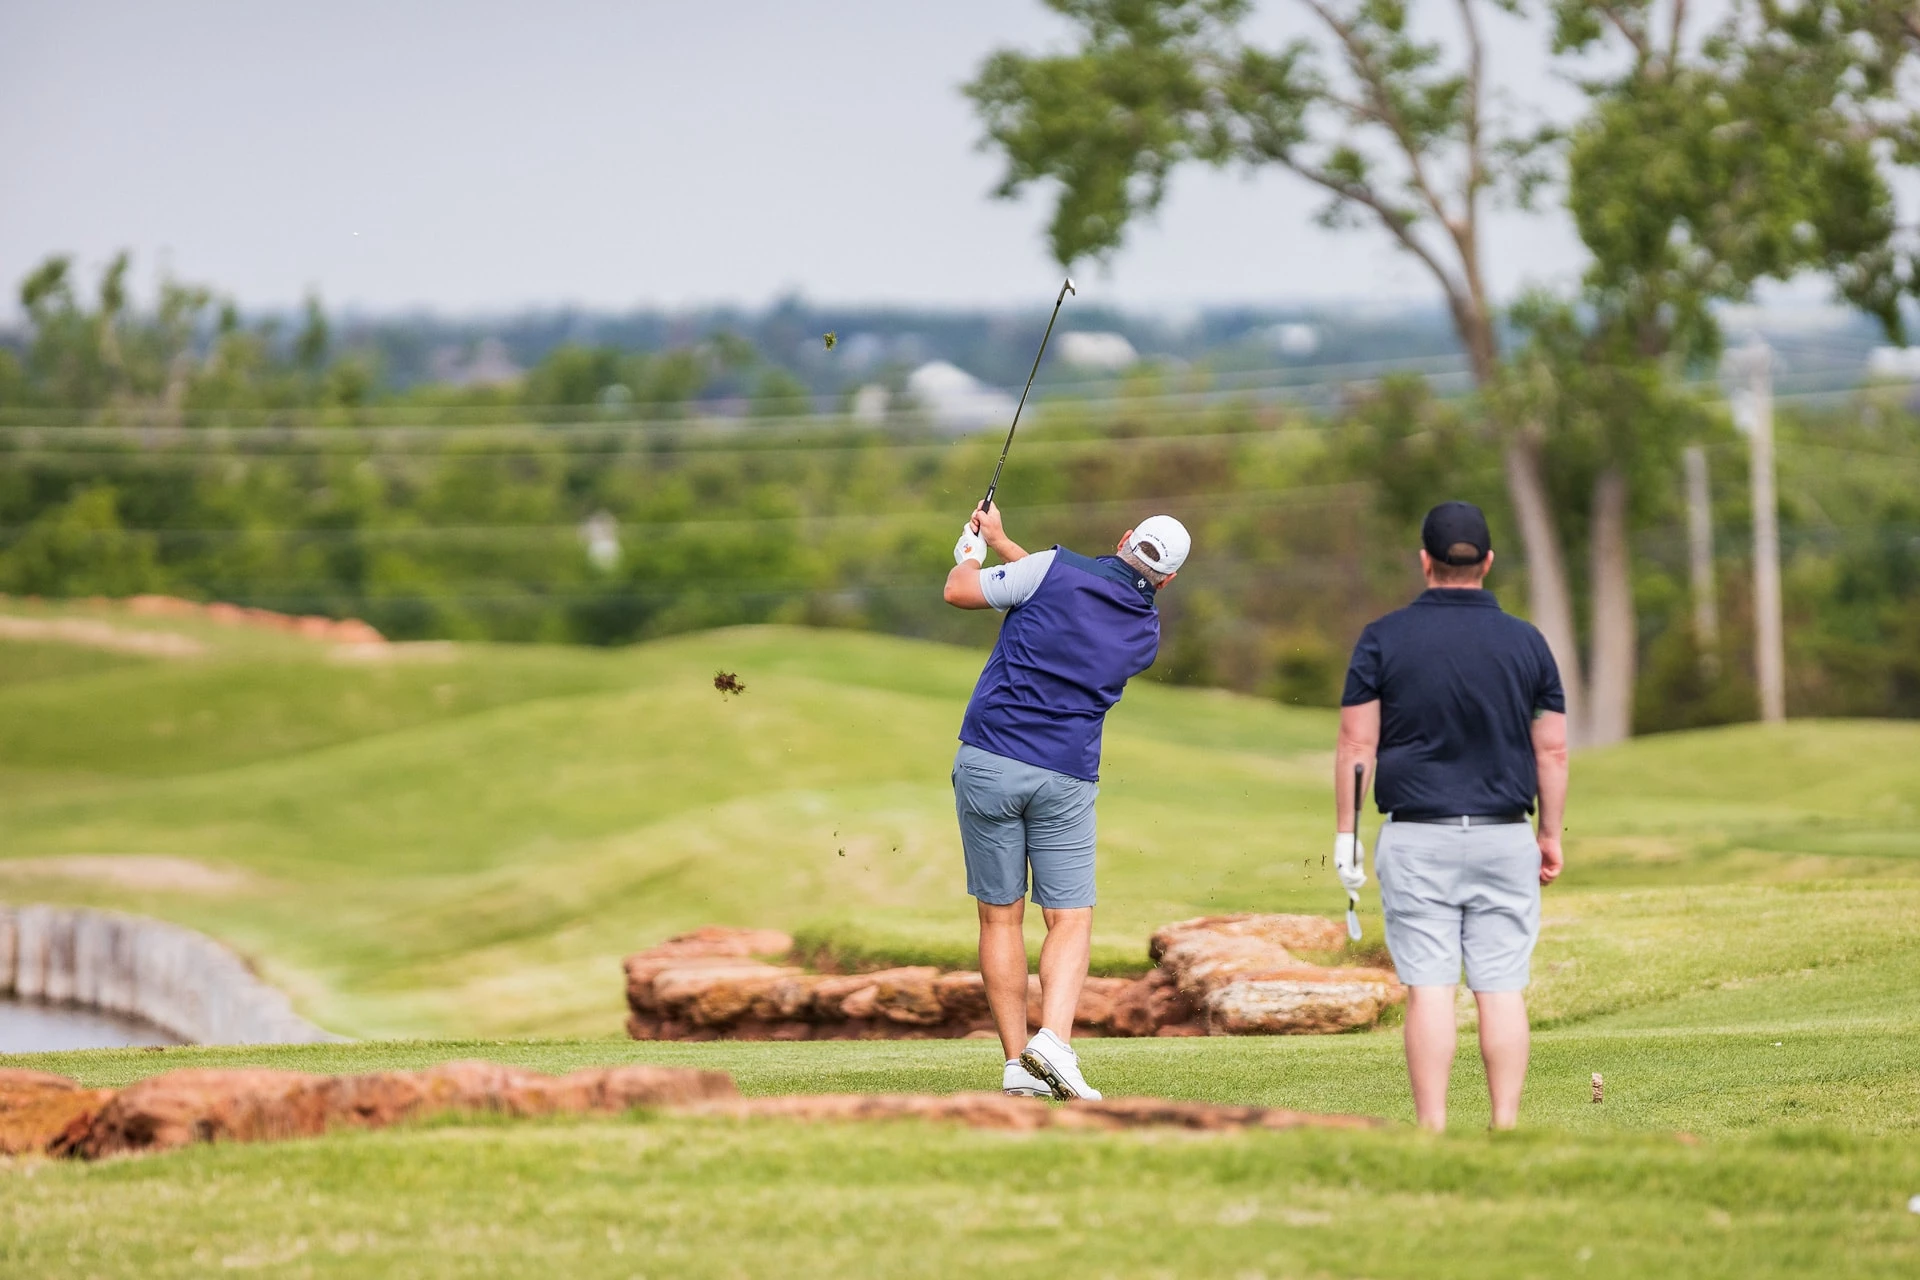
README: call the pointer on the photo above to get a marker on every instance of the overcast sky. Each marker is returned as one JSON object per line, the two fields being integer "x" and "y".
{"x": 486, "y": 155}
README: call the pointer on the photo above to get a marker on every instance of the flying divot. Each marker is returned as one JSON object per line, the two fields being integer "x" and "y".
{"x": 728, "y": 682}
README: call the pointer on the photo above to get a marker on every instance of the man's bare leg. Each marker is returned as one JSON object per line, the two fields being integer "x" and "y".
{"x": 1063, "y": 966}
{"x": 1431, "y": 1035}
{"x": 1003, "y": 968}
{"x": 1504, "y": 1042}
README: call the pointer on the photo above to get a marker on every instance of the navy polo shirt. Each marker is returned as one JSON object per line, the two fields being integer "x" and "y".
{"x": 1459, "y": 682}
{"x": 1062, "y": 661}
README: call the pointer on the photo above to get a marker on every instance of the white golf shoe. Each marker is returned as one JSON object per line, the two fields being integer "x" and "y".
{"x": 1049, "y": 1057}
{"x": 1015, "y": 1082}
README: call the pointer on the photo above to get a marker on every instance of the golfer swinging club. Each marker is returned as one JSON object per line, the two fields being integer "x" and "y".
{"x": 1077, "y": 629}
{"x": 1462, "y": 707}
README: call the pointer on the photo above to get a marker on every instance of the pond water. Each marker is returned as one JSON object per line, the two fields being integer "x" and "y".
{"x": 29, "y": 1027}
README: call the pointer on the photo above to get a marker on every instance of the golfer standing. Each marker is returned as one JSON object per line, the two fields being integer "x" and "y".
{"x": 1077, "y": 629}
{"x": 1460, "y": 707}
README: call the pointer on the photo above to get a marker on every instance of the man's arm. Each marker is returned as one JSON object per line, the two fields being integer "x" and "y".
{"x": 963, "y": 582}
{"x": 1550, "y": 763}
{"x": 1359, "y": 742}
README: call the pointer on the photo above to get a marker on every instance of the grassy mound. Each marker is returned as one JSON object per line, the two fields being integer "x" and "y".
{"x": 465, "y": 839}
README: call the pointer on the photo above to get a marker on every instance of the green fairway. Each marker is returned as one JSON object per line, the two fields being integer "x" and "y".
{"x": 464, "y": 840}
{"x": 460, "y": 842}
{"x": 1737, "y": 1153}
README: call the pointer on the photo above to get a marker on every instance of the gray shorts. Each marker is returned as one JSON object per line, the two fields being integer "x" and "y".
{"x": 1013, "y": 815}
{"x": 1453, "y": 893}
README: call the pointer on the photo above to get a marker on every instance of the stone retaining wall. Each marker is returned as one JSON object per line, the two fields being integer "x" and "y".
{"x": 180, "y": 981}
{"x": 50, "y": 1115}
{"x": 1215, "y": 975}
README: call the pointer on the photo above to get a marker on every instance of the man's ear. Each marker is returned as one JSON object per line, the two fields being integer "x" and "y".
{"x": 1120, "y": 547}
{"x": 1489, "y": 564}
{"x": 1169, "y": 578}
{"x": 1426, "y": 563}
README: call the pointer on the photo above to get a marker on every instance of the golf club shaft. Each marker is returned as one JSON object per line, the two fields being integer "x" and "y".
{"x": 1065, "y": 289}
{"x": 1359, "y": 849}
{"x": 1359, "y": 797}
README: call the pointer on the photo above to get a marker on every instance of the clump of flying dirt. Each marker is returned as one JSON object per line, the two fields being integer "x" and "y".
{"x": 728, "y": 682}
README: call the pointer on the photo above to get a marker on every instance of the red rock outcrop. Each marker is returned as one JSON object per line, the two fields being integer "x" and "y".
{"x": 1289, "y": 933}
{"x": 53, "y": 1115}
{"x": 259, "y": 1105}
{"x": 39, "y": 1109}
{"x": 1231, "y": 975}
{"x": 1238, "y": 976}
{"x": 337, "y": 630}
{"x": 997, "y": 1111}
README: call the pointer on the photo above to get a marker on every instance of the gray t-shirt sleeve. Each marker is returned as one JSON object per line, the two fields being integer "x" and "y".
{"x": 1007, "y": 585}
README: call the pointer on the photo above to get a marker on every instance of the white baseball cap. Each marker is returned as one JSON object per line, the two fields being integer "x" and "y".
{"x": 1162, "y": 543}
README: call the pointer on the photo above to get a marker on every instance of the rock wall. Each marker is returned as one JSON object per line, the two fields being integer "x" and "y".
{"x": 180, "y": 981}
{"x": 1216, "y": 975}
{"x": 42, "y": 1114}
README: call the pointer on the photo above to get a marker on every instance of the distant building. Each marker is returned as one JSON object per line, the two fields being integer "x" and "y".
{"x": 485, "y": 364}
{"x": 1097, "y": 350}
{"x": 600, "y": 534}
{"x": 870, "y": 405}
{"x": 1292, "y": 340}
{"x": 1894, "y": 364}
{"x": 956, "y": 400}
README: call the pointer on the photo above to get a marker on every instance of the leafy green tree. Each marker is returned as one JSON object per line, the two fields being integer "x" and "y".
{"x": 310, "y": 347}
{"x": 1397, "y": 131}
{"x": 1700, "y": 169}
{"x": 575, "y": 375}
{"x": 81, "y": 548}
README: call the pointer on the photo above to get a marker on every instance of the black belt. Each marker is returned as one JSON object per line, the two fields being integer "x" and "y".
{"x": 1461, "y": 819}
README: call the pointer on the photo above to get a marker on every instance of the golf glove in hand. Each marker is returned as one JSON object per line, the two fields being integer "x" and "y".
{"x": 1350, "y": 860}
{"x": 970, "y": 547}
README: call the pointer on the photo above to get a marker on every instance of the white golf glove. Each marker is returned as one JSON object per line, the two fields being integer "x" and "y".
{"x": 970, "y": 547}
{"x": 1350, "y": 860}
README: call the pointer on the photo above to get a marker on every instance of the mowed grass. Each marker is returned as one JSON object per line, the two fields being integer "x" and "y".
{"x": 461, "y": 842}
{"x": 677, "y": 1197}
{"x": 464, "y": 840}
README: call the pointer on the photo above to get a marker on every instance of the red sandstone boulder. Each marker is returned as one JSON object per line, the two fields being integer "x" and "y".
{"x": 1292, "y": 1007}
{"x": 1228, "y": 974}
{"x": 39, "y": 1109}
{"x": 1296, "y": 933}
{"x": 1098, "y": 999}
{"x": 907, "y": 996}
{"x": 996, "y": 1111}
{"x": 711, "y": 946}
{"x": 253, "y": 1105}
{"x": 831, "y": 992}
{"x": 1148, "y": 1004}
{"x": 963, "y": 997}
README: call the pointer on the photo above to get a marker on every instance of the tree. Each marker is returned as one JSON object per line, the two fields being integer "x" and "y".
{"x": 1397, "y": 134}
{"x": 1697, "y": 172}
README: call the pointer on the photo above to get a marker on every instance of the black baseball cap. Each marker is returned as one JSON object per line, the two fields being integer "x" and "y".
{"x": 1452, "y": 523}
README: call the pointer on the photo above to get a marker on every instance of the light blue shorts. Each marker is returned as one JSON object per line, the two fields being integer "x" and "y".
{"x": 1455, "y": 894}
{"x": 1015, "y": 815}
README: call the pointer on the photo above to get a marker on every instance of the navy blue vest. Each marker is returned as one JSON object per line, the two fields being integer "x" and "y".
{"x": 1063, "y": 659}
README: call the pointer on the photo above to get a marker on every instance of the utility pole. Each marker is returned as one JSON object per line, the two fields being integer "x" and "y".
{"x": 1706, "y": 609}
{"x": 1754, "y": 414}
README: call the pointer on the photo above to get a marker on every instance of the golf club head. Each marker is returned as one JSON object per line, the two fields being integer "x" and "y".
{"x": 1353, "y": 918}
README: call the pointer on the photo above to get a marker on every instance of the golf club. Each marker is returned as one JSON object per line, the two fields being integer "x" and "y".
{"x": 1065, "y": 289}
{"x": 1359, "y": 850}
